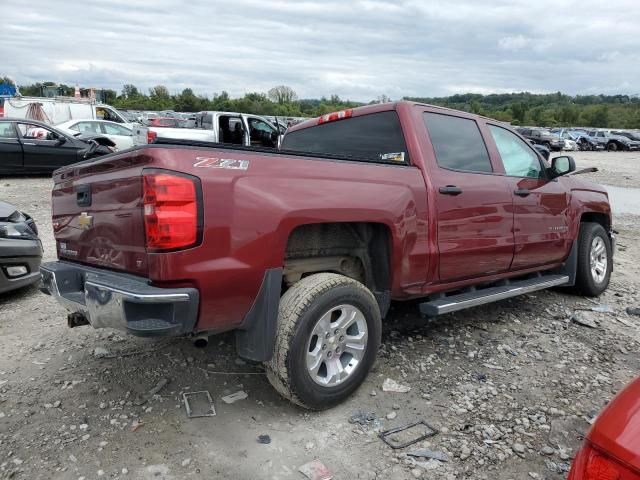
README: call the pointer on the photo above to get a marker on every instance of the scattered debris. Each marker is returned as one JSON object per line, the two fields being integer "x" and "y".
{"x": 159, "y": 386}
{"x": 633, "y": 311}
{"x": 264, "y": 439}
{"x": 392, "y": 415}
{"x": 315, "y": 470}
{"x": 390, "y": 385}
{"x": 400, "y": 437}
{"x": 625, "y": 322}
{"x": 427, "y": 453}
{"x": 199, "y": 404}
{"x": 602, "y": 308}
{"x": 363, "y": 418}
{"x": 234, "y": 397}
{"x": 100, "y": 352}
{"x": 136, "y": 425}
{"x": 582, "y": 318}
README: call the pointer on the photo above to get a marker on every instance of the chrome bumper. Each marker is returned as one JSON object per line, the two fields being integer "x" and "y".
{"x": 121, "y": 301}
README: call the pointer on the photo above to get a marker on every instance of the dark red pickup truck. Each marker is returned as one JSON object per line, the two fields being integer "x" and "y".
{"x": 300, "y": 251}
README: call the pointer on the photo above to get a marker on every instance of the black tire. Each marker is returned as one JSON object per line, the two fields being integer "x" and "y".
{"x": 586, "y": 284}
{"x": 547, "y": 144}
{"x": 301, "y": 307}
{"x": 612, "y": 146}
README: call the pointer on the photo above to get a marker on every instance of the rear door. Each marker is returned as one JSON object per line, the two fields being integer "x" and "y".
{"x": 540, "y": 205}
{"x": 474, "y": 201}
{"x": 10, "y": 149}
{"x": 121, "y": 136}
{"x": 44, "y": 150}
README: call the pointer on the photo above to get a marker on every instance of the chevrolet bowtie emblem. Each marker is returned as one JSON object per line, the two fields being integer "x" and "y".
{"x": 85, "y": 221}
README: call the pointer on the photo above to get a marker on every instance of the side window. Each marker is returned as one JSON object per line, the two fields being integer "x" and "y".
{"x": 75, "y": 127}
{"x": 458, "y": 143}
{"x": 7, "y": 131}
{"x": 88, "y": 127}
{"x": 110, "y": 129}
{"x": 206, "y": 121}
{"x": 518, "y": 159}
{"x": 230, "y": 130}
{"x": 31, "y": 131}
{"x": 261, "y": 133}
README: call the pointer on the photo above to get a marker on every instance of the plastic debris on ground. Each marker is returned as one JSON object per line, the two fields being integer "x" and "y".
{"x": 234, "y": 397}
{"x": 390, "y": 385}
{"x": 315, "y": 470}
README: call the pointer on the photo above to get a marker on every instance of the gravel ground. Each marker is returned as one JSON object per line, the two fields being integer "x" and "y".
{"x": 510, "y": 387}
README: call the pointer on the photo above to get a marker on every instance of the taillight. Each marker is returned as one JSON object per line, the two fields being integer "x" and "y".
{"x": 594, "y": 464}
{"x": 151, "y": 136}
{"x": 332, "y": 117}
{"x": 172, "y": 218}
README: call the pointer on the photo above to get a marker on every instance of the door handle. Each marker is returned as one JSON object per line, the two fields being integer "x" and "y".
{"x": 28, "y": 143}
{"x": 522, "y": 192}
{"x": 450, "y": 190}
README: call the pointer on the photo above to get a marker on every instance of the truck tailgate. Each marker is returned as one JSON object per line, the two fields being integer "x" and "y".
{"x": 97, "y": 214}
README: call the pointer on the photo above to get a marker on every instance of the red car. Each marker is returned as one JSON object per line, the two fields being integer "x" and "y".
{"x": 611, "y": 450}
{"x": 164, "y": 122}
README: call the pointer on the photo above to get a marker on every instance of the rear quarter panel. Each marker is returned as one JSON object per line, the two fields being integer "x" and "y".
{"x": 249, "y": 215}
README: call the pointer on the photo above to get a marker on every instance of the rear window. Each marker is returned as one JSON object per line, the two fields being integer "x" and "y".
{"x": 373, "y": 137}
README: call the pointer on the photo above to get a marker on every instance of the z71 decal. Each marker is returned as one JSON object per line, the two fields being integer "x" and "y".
{"x": 228, "y": 163}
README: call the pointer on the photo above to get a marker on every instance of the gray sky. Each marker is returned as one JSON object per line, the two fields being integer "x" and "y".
{"x": 356, "y": 49}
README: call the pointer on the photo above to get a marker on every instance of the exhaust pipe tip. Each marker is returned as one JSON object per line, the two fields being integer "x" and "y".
{"x": 201, "y": 340}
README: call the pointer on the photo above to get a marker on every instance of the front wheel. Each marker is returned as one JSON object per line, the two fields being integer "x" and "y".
{"x": 328, "y": 335}
{"x": 612, "y": 147}
{"x": 595, "y": 259}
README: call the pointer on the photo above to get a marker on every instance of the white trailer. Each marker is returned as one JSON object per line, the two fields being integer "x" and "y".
{"x": 56, "y": 110}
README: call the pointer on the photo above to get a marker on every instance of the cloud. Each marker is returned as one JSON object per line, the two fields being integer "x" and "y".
{"x": 359, "y": 49}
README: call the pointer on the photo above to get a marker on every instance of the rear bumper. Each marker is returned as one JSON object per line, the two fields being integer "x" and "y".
{"x": 121, "y": 301}
{"x": 23, "y": 253}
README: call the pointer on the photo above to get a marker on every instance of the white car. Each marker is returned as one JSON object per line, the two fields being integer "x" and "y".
{"x": 122, "y": 136}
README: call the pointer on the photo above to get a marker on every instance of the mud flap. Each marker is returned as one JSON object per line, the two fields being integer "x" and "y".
{"x": 256, "y": 337}
{"x": 570, "y": 266}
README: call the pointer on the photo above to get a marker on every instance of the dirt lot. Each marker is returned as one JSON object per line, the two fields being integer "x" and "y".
{"x": 511, "y": 387}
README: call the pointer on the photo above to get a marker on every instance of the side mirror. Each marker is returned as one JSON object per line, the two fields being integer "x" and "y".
{"x": 61, "y": 141}
{"x": 562, "y": 165}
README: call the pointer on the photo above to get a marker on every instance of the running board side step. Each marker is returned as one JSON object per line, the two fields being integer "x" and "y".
{"x": 474, "y": 298}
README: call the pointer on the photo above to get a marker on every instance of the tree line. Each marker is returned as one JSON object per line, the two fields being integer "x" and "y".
{"x": 550, "y": 110}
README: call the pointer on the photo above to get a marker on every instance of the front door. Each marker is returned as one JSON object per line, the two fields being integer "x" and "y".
{"x": 540, "y": 205}
{"x": 475, "y": 220}
{"x": 44, "y": 149}
{"x": 10, "y": 149}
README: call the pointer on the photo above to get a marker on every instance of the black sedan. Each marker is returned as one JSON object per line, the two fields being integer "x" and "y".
{"x": 32, "y": 147}
{"x": 20, "y": 249}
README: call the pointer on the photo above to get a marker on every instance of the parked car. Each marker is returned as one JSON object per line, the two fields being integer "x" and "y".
{"x": 611, "y": 449}
{"x": 635, "y": 136}
{"x": 542, "y": 136}
{"x": 301, "y": 250}
{"x": 164, "y": 122}
{"x": 615, "y": 142}
{"x": 31, "y": 147}
{"x": 121, "y": 136}
{"x": 20, "y": 249}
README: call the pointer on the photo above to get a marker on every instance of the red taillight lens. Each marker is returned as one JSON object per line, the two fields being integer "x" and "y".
{"x": 332, "y": 117}
{"x": 171, "y": 217}
{"x": 151, "y": 136}
{"x": 594, "y": 464}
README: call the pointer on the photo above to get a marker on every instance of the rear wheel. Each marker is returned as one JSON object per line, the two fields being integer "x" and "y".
{"x": 328, "y": 335}
{"x": 612, "y": 146}
{"x": 595, "y": 259}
